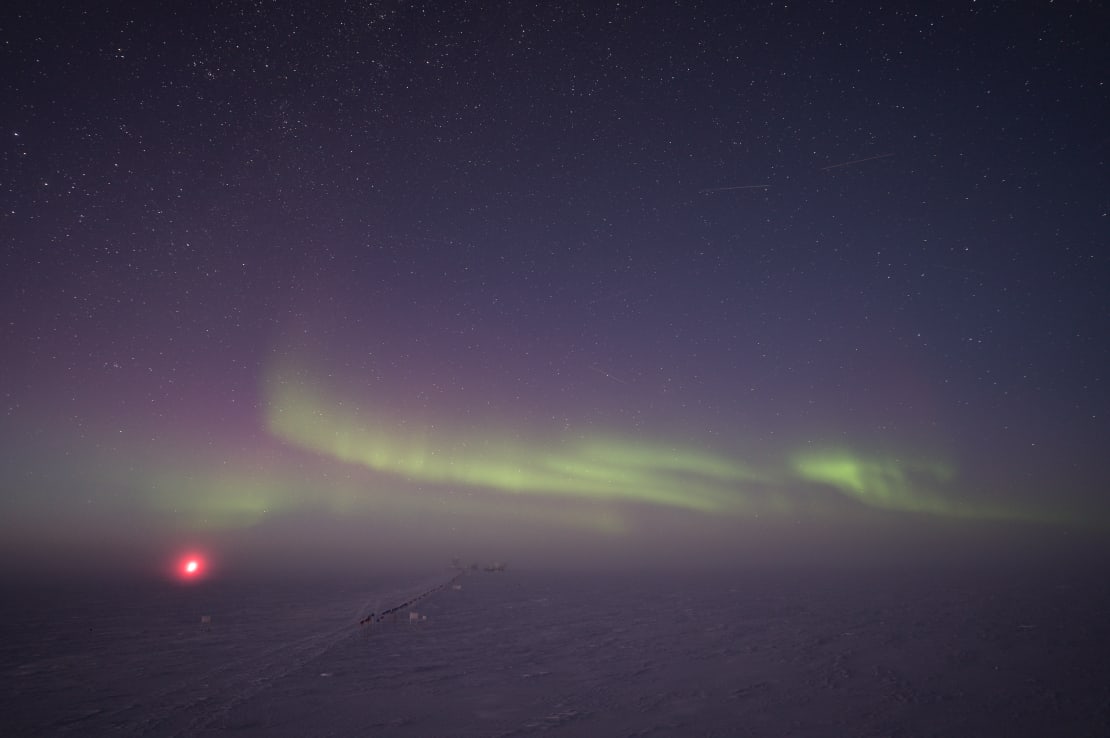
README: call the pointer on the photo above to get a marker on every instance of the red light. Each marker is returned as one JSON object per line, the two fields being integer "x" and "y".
{"x": 190, "y": 567}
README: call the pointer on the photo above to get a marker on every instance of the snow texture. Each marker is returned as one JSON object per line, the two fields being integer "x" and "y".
{"x": 517, "y": 653}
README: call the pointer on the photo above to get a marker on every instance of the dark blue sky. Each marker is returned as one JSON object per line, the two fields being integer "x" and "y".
{"x": 527, "y": 277}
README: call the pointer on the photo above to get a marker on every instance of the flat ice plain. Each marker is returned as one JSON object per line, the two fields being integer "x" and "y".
{"x": 517, "y": 653}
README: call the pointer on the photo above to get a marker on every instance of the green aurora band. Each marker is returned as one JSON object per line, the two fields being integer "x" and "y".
{"x": 599, "y": 468}
{"x": 611, "y": 468}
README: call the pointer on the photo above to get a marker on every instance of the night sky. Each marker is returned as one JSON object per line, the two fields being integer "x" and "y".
{"x": 692, "y": 280}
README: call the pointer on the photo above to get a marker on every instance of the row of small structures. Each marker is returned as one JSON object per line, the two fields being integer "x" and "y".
{"x": 495, "y": 566}
{"x": 391, "y": 613}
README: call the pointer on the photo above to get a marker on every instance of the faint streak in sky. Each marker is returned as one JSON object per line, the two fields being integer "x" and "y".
{"x": 711, "y": 190}
{"x": 604, "y": 373}
{"x": 855, "y": 161}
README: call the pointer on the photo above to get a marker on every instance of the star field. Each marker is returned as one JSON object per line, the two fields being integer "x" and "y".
{"x": 516, "y": 276}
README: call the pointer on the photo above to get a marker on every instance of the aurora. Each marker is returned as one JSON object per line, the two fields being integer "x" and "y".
{"x": 599, "y": 468}
{"x": 615, "y": 468}
{"x": 483, "y": 283}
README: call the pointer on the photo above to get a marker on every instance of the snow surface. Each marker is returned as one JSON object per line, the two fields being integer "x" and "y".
{"x": 519, "y": 653}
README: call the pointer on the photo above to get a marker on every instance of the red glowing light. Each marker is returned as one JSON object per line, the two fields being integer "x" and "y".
{"x": 190, "y": 567}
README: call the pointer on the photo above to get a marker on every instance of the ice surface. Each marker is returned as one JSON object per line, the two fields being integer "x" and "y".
{"x": 520, "y": 653}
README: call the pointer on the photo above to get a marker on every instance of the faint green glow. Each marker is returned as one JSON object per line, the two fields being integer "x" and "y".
{"x": 890, "y": 484}
{"x": 612, "y": 468}
{"x": 909, "y": 486}
{"x": 598, "y": 468}
{"x": 222, "y": 500}
{"x": 231, "y": 500}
